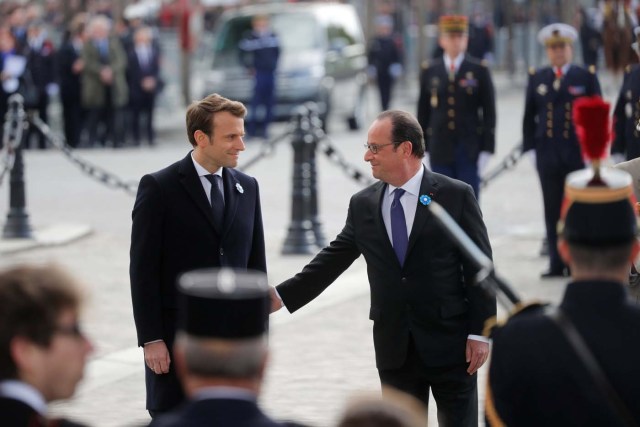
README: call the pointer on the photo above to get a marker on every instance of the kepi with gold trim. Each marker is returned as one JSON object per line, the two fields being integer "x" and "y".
{"x": 453, "y": 24}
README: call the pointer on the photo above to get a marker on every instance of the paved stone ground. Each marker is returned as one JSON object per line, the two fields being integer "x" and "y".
{"x": 321, "y": 354}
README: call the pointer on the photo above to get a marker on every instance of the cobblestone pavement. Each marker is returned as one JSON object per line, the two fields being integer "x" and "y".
{"x": 321, "y": 354}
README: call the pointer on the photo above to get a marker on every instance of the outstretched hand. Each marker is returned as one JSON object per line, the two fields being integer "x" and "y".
{"x": 276, "y": 302}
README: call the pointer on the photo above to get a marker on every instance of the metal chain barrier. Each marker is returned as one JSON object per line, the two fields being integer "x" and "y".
{"x": 268, "y": 147}
{"x": 12, "y": 136}
{"x": 96, "y": 172}
{"x": 509, "y": 162}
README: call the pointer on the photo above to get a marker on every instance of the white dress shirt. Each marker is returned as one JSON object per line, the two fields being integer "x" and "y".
{"x": 456, "y": 62}
{"x": 206, "y": 184}
{"x": 25, "y": 393}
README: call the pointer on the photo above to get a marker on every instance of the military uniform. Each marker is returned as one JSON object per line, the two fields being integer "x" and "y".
{"x": 548, "y": 129}
{"x": 457, "y": 112}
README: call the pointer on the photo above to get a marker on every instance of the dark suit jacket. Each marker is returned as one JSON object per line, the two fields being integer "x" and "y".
{"x": 216, "y": 412}
{"x": 431, "y": 297}
{"x": 137, "y": 71}
{"x": 68, "y": 80}
{"x": 548, "y": 117}
{"x": 173, "y": 232}
{"x": 462, "y": 112}
{"x": 536, "y": 377}
{"x": 627, "y": 114}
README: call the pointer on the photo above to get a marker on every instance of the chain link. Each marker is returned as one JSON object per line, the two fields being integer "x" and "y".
{"x": 12, "y": 136}
{"x": 96, "y": 172}
{"x": 509, "y": 162}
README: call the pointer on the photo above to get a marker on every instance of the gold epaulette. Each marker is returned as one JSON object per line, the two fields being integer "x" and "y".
{"x": 425, "y": 64}
{"x": 592, "y": 69}
{"x": 532, "y": 71}
{"x": 493, "y": 323}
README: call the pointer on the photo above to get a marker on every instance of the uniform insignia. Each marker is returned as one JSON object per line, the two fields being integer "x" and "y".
{"x": 434, "y": 92}
{"x": 592, "y": 69}
{"x": 532, "y": 71}
{"x": 469, "y": 75}
{"x": 629, "y": 95}
{"x": 628, "y": 110}
{"x": 542, "y": 89}
{"x": 556, "y": 84}
{"x": 577, "y": 90}
{"x": 425, "y": 65}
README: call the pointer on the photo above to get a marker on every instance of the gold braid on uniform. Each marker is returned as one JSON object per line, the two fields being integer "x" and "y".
{"x": 490, "y": 411}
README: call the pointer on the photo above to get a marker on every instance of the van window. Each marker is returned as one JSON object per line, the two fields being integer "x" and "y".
{"x": 296, "y": 31}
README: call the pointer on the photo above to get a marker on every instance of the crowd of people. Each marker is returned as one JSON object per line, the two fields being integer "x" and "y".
{"x": 106, "y": 73}
{"x": 201, "y": 298}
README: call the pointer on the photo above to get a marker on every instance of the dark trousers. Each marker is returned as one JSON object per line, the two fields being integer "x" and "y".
{"x": 106, "y": 123}
{"x": 385, "y": 81}
{"x": 552, "y": 184}
{"x": 33, "y": 132}
{"x": 454, "y": 390}
{"x": 164, "y": 391}
{"x": 142, "y": 114}
{"x": 74, "y": 116}
{"x": 262, "y": 104}
{"x": 462, "y": 168}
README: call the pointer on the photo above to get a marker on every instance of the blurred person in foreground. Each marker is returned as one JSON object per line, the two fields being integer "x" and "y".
{"x": 221, "y": 349}
{"x": 548, "y": 130}
{"x": 393, "y": 409}
{"x": 198, "y": 212}
{"x": 577, "y": 364}
{"x": 43, "y": 351}
{"x": 428, "y": 316}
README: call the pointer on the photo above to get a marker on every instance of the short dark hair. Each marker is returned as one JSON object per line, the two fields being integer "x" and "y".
{"x": 200, "y": 113}
{"x": 604, "y": 258}
{"x": 31, "y": 301}
{"x": 405, "y": 127}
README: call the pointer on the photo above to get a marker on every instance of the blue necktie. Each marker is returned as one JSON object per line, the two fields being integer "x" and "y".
{"x": 217, "y": 202}
{"x": 399, "y": 226}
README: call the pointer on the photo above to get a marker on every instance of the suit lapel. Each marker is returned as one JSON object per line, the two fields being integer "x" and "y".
{"x": 191, "y": 182}
{"x": 231, "y": 195}
{"x": 429, "y": 187}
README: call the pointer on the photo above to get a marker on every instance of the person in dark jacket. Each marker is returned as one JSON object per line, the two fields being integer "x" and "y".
{"x": 626, "y": 142}
{"x": 457, "y": 108}
{"x": 547, "y": 127}
{"x": 537, "y": 377}
{"x": 260, "y": 52}
{"x": 385, "y": 62}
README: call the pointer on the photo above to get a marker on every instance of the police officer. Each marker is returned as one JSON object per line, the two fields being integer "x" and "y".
{"x": 537, "y": 377}
{"x": 221, "y": 348}
{"x": 260, "y": 51}
{"x": 547, "y": 127}
{"x": 626, "y": 143}
{"x": 384, "y": 59}
{"x": 457, "y": 108}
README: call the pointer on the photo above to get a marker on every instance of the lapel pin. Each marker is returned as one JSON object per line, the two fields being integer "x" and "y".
{"x": 239, "y": 188}
{"x": 425, "y": 200}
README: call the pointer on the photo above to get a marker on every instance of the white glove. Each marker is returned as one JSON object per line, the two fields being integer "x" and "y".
{"x": 531, "y": 154}
{"x": 617, "y": 158}
{"x": 483, "y": 161}
{"x": 426, "y": 161}
{"x": 395, "y": 70}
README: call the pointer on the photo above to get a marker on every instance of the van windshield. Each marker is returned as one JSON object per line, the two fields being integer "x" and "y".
{"x": 296, "y": 31}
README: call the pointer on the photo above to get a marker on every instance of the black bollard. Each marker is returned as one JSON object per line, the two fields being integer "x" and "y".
{"x": 17, "y": 225}
{"x": 301, "y": 238}
{"x": 316, "y": 129}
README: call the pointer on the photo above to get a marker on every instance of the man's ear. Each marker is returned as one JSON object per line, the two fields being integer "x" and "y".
{"x": 200, "y": 137}
{"x": 24, "y": 353}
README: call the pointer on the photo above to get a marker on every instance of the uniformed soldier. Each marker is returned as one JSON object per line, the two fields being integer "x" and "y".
{"x": 626, "y": 143}
{"x": 548, "y": 129}
{"x": 457, "y": 108}
{"x": 221, "y": 348}
{"x": 260, "y": 52}
{"x": 536, "y": 377}
{"x": 384, "y": 56}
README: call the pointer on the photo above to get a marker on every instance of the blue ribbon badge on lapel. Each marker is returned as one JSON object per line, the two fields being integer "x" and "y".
{"x": 425, "y": 200}
{"x": 239, "y": 188}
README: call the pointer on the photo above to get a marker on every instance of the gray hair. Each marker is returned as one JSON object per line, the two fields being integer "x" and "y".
{"x": 210, "y": 357}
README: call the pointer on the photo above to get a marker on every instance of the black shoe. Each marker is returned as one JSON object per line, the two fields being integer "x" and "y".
{"x": 555, "y": 272}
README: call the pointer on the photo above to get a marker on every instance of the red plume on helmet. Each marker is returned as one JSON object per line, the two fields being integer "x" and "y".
{"x": 593, "y": 128}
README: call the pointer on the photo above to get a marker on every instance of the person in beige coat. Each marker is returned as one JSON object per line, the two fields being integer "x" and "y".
{"x": 633, "y": 168}
{"x": 104, "y": 84}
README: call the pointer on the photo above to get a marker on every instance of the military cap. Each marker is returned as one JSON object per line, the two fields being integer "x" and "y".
{"x": 448, "y": 24}
{"x": 599, "y": 205}
{"x": 223, "y": 303}
{"x": 634, "y": 45}
{"x": 557, "y": 33}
